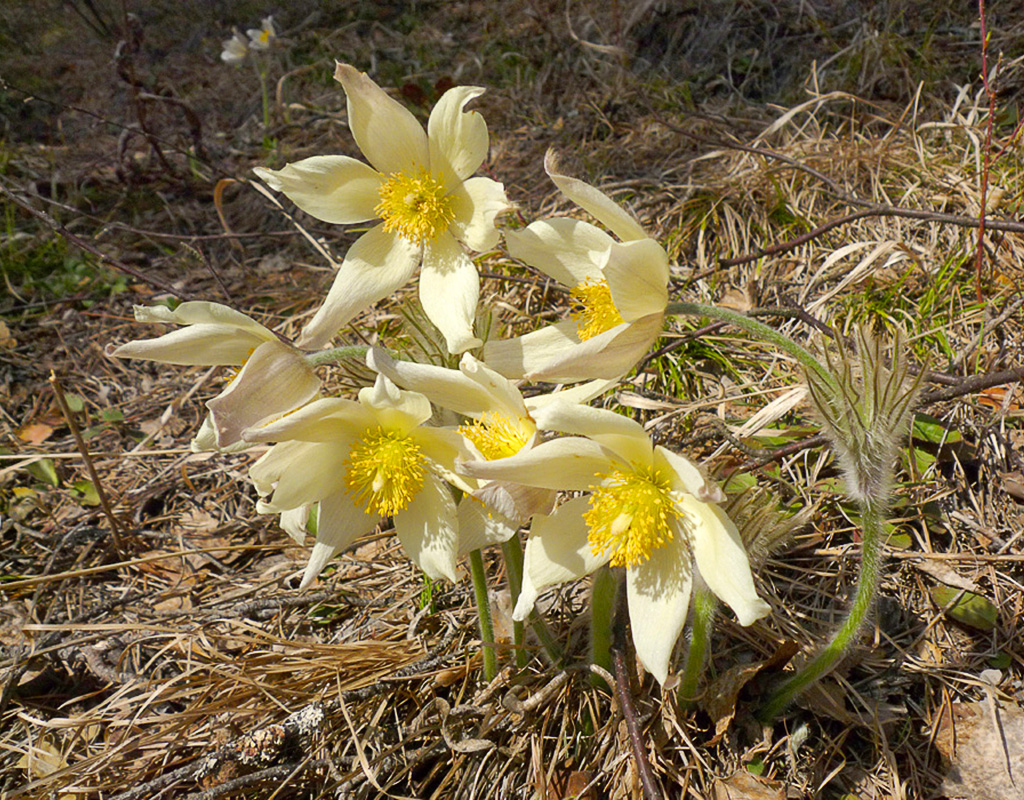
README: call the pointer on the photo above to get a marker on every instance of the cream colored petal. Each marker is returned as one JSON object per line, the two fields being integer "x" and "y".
{"x": 607, "y": 356}
{"x": 504, "y": 396}
{"x": 637, "y": 274}
{"x": 687, "y": 477}
{"x": 295, "y": 474}
{"x": 196, "y": 312}
{"x": 375, "y": 266}
{"x": 205, "y": 440}
{"x": 515, "y": 358}
{"x": 393, "y": 407}
{"x": 338, "y": 525}
{"x": 557, "y": 551}
{"x": 275, "y": 380}
{"x": 328, "y": 419}
{"x": 295, "y": 522}
{"x": 515, "y": 501}
{"x": 658, "y": 594}
{"x": 583, "y": 393}
{"x": 721, "y": 558}
{"x": 569, "y": 464}
{"x": 595, "y": 202}
{"x": 449, "y": 291}
{"x": 623, "y": 436}
{"x": 569, "y": 250}
{"x": 447, "y": 388}
{"x": 428, "y": 530}
{"x": 387, "y": 133}
{"x": 476, "y": 204}
{"x": 458, "y": 138}
{"x": 335, "y": 189}
{"x": 444, "y": 447}
{"x": 481, "y": 526}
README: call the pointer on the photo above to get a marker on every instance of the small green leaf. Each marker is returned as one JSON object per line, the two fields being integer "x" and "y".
{"x": 45, "y": 471}
{"x": 75, "y": 403}
{"x": 756, "y": 767}
{"x": 966, "y": 607}
{"x": 1000, "y": 660}
{"x": 112, "y": 415}
{"x": 88, "y": 496}
{"x": 739, "y": 482}
{"x": 929, "y": 429}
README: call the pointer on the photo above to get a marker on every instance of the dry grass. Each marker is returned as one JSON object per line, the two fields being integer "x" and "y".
{"x": 190, "y": 666}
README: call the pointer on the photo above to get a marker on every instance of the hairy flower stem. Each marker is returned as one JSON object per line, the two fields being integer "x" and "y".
{"x": 513, "y": 552}
{"x": 873, "y": 533}
{"x": 602, "y": 620}
{"x": 336, "y": 354}
{"x": 483, "y": 614}
{"x": 704, "y": 607}
{"x": 758, "y": 329}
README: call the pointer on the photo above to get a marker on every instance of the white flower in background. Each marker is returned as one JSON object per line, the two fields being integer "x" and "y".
{"x": 648, "y": 510}
{"x": 235, "y": 49}
{"x": 275, "y": 377}
{"x": 500, "y": 425}
{"x": 263, "y": 37}
{"x": 361, "y": 461}
{"x": 418, "y": 184}
{"x": 620, "y": 289}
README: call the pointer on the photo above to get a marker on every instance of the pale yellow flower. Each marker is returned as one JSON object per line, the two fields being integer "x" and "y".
{"x": 419, "y": 186}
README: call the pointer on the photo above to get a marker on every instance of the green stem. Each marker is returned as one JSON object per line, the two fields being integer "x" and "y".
{"x": 873, "y": 521}
{"x": 704, "y": 607}
{"x": 483, "y": 613}
{"x": 336, "y": 354}
{"x": 513, "y": 552}
{"x": 758, "y": 329}
{"x": 602, "y": 619}
{"x": 261, "y": 73}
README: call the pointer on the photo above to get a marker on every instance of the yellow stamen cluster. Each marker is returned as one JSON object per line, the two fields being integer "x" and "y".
{"x": 495, "y": 435}
{"x": 595, "y": 310}
{"x": 415, "y": 207}
{"x": 384, "y": 471}
{"x": 629, "y": 515}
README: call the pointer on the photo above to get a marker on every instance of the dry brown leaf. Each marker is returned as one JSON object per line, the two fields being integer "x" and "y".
{"x": 744, "y": 786}
{"x": 7, "y": 341}
{"x": 986, "y": 752}
{"x": 35, "y": 432}
{"x": 720, "y": 697}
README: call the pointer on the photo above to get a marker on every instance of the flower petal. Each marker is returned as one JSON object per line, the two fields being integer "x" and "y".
{"x": 476, "y": 203}
{"x": 338, "y": 524}
{"x": 294, "y": 522}
{"x": 387, "y": 132}
{"x": 335, "y": 189}
{"x": 514, "y": 358}
{"x": 328, "y": 419}
{"x": 449, "y": 291}
{"x": 687, "y": 477}
{"x": 557, "y": 551}
{"x": 569, "y": 250}
{"x": 721, "y": 558}
{"x": 658, "y": 594}
{"x": 515, "y": 501}
{"x": 569, "y": 464}
{"x": 582, "y": 393}
{"x": 637, "y": 274}
{"x": 595, "y": 202}
{"x": 275, "y": 380}
{"x": 375, "y": 266}
{"x": 458, "y": 138}
{"x": 395, "y": 408}
{"x": 622, "y": 435}
{"x": 481, "y": 526}
{"x": 428, "y": 530}
{"x": 295, "y": 474}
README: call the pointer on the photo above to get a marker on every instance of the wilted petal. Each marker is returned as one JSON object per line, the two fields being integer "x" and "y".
{"x": 476, "y": 204}
{"x": 569, "y": 250}
{"x": 335, "y": 189}
{"x": 338, "y": 525}
{"x": 275, "y": 380}
{"x": 620, "y": 434}
{"x": 569, "y": 464}
{"x": 557, "y": 551}
{"x": 387, "y": 133}
{"x": 377, "y": 265}
{"x": 205, "y": 440}
{"x": 595, "y": 202}
{"x": 721, "y": 558}
{"x": 449, "y": 290}
{"x": 458, "y": 138}
{"x": 658, "y": 594}
{"x": 637, "y": 274}
{"x": 428, "y": 530}
{"x": 516, "y": 501}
